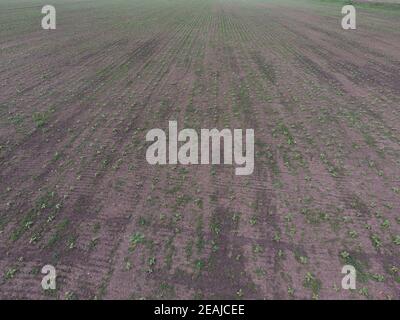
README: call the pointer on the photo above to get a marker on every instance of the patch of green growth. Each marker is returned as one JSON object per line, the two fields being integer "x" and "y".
{"x": 199, "y": 264}
{"x": 314, "y": 216}
{"x": 284, "y": 130}
{"x": 199, "y": 203}
{"x": 152, "y": 261}
{"x": 69, "y": 295}
{"x": 215, "y": 226}
{"x": 166, "y": 291}
{"x": 16, "y": 119}
{"x": 277, "y": 236}
{"x": 347, "y": 259}
{"x": 143, "y": 222}
{"x": 353, "y": 234}
{"x": 57, "y": 156}
{"x": 364, "y": 292}
{"x": 260, "y": 272}
{"x": 253, "y": 221}
{"x": 40, "y": 119}
{"x": 395, "y": 272}
{"x": 311, "y": 282}
{"x": 385, "y": 224}
{"x": 71, "y": 242}
{"x": 10, "y": 273}
{"x": 48, "y": 202}
{"x": 376, "y": 241}
{"x": 136, "y": 239}
{"x": 170, "y": 251}
{"x": 333, "y": 170}
{"x": 258, "y": 249}
{"x": 182, "y": 200}
{"x": 93, "y": 243}
{"x": 377, "y": 277}
{"x": 302, "y": 259}
{"x": 189, "y": 249}
{"x": 60, "y": 228}
{"x": 396, "y": 240}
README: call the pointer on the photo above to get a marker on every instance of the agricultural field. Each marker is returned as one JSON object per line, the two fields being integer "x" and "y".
{"x": 76, "y": 191}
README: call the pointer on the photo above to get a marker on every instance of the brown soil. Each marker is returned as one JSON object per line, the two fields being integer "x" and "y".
{"x": 76, "y": 190}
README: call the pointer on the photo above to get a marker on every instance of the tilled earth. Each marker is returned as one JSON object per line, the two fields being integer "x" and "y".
{"x": 76, "y": 190}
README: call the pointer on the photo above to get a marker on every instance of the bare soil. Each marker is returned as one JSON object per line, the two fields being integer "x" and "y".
{"x": 76, "y": 190}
